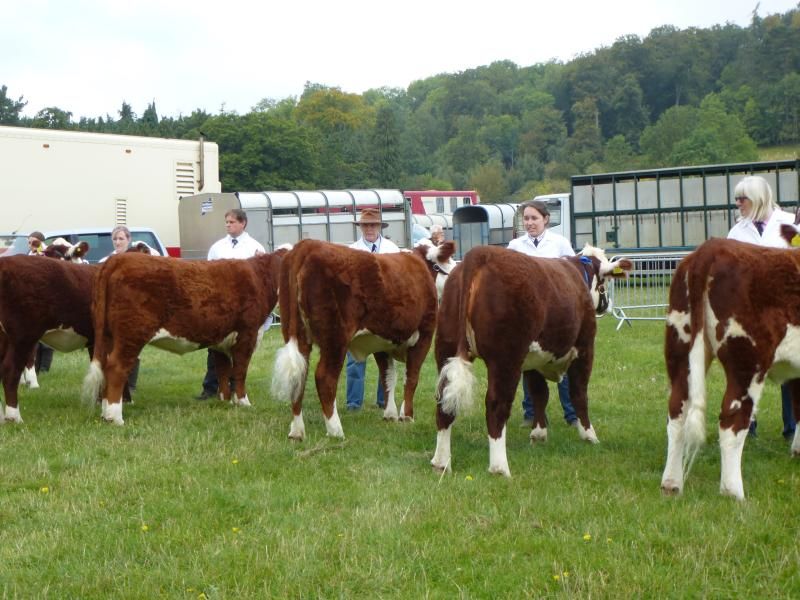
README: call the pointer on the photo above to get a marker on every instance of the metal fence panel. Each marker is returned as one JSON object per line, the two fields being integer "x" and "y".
{"x": 644, "y": 295}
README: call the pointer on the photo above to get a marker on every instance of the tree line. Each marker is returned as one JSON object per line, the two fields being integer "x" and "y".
{"x": 674, "y": 97}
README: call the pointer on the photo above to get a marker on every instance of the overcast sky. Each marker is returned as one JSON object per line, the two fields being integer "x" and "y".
{"x": 88, "y": 56}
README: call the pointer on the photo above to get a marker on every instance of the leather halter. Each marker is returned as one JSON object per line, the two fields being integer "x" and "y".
{"x": 586, "y": 267}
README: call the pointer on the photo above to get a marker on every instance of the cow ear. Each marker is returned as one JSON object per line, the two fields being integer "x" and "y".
{"x": 790, "y": 234}
{"x": 619, "y": 269}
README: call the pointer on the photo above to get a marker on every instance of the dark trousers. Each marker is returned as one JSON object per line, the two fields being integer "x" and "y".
{"x": 44, "y": 358}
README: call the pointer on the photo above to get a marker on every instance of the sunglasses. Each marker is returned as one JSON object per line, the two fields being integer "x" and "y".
{"x": 740, "y": 198}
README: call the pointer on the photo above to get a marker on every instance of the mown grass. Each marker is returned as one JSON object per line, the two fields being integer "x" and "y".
{"x": 195, "y": 499}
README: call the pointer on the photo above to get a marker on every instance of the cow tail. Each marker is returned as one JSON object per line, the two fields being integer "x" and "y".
{"x": 695, "y": 423}
{"x": 289, "y": 373}
{"x": 456, "y": 385}
{"x": 290, "y": 368}
{"x": 95, "y": 379}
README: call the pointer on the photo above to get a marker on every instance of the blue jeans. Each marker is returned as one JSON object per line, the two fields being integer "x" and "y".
{"x": 355, "y": 372}
{"x": 563, "y": 396}
{"x": 789, "y": 422}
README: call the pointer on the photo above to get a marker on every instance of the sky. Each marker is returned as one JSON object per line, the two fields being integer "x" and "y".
{"x": 90, "y": 56}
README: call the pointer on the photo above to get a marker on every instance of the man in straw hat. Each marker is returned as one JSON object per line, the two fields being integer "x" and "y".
{"x": 371, "y": 240}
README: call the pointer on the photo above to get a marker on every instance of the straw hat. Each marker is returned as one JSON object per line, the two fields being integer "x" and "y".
{"x": 372, "y": 215}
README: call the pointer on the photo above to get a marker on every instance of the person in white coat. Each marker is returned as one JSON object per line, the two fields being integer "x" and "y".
{"x": 541, "y": 242}
{"x": 760, "y": 223}
{"x": 236, "y": 244}
{"x": 371, "y": 240}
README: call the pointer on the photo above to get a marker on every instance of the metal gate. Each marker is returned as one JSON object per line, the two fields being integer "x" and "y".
{"x": 644, "y": 295}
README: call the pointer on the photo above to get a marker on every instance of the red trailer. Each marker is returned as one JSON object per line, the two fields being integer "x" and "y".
{"x": 429, "y": 202}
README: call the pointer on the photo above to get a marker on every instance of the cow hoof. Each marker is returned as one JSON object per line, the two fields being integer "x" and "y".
{"x": 670, "y": 488}
{"x": 241, "y": 401}
{"x": 795, "y": 451}
{"x": 12, "y": 420}
{"x": 439, "y": 468}
{"x": 295, "y": 436}
{"x": 118, "y": 422}
{"x": 405, "y": 419}
{"x": 538, "y": 434}
{"x": 504, "y": 471}
{"x": 391, "y": 418}
{"x": 588, "y": 435}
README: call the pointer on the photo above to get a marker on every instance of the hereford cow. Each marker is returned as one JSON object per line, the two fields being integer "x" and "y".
{"x": 736, "y": 302}
{"x": 40, "y": 299}
{"x": 521, "y": 315}
{"x": 178, "y": 306}
{"x": 343, "y": 299}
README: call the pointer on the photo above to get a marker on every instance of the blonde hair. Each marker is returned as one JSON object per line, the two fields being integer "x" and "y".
{"x": 757, "y": 190}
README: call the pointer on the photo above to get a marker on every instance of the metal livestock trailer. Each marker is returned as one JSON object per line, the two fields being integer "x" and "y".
{"x": 280, "y": 217}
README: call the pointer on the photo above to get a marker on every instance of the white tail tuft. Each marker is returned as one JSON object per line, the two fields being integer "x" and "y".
{"x": 93, "y": 383}
{"x": 456, "y": 385}
{"x": 694, "y": 427}
{"x": 289, "y": 373}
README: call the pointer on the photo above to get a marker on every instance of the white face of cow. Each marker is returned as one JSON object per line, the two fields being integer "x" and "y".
{"x": 601, "y": 270}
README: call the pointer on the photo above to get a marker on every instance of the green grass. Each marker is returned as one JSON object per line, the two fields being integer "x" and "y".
{"x": 195, "y": 499}
{"x": 787, "y": 152}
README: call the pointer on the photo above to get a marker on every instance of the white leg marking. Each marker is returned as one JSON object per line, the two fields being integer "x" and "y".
{"x": 796, "y": 442}
{"x": 538, "y": 434}
{"x": 29, "y": 378}
{"x": 441, "y": 458}
{"x": 297, "y": 430}
{"x": 240, "y": 401}
{"x": 672, "y": 479}
{"x": 731, "y": 447}
{"x": 587, "y": 435}
{"x": 12, "y": 414}
{"x": 113, "y": 412}
{"x": 498, "y": 461}
{"x": 390, "y": 406}
{"x": 334, "y": 424}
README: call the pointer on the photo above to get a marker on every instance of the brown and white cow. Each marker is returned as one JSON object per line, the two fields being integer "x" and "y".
{"x": 179, "y": 306}
{"x": 521, "y": 315}
{"x": 40, "y": 299}
{"x": 342, "y": 299}
{"x": 738, "y": 303}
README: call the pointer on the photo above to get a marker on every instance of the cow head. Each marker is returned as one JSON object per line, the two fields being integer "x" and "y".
{"x": 63, "y": 250}
{"x": 144, "y": 248}
{"x": 596, "y": 270}
{"x": 439, "y": 260}
{"x": 790, "y": 234}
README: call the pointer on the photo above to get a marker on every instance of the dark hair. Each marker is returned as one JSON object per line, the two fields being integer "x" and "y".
{"x": 37, "y": 234}
{"x": 238, "y": 214}
{"x": 537, "y": 204}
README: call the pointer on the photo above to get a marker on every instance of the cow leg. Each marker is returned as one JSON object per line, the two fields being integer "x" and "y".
{"x": 672, "y": 478}
{"x": 794, "y": 388}
{"x": 387, "y": 372}
{"x": 327, "y": 374}
{"x": 415, "y": 357}
{"x": 13, "y": 363}
{"x": 444, "y": 421}
{"x": 739, "y": 405}
{"x": 579, "y": 372}
{"x": 540, "y": 395}
{"x": 29, "y": 372}
{"x": 240, "y": 354}
{"x": 502, "y": 386}
{"x": 223, "y": 368}
{"x": 118, "y": 366}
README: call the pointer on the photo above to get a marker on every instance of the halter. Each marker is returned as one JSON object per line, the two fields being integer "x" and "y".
{"x": 602, "y": 304}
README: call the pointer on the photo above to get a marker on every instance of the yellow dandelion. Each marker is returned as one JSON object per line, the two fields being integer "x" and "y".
{"x": 145, "y": 528}
{"x": 44, "y": 490}
{"x": 609, "y": 540}
{"x": 235, "y": 461}
{"x": 781, "y": 482}
{"x": 565, "y": 574}
{"x": 235, "y": 530}
{"x": 587, "y": 537}
{"x": 556, "y": 577}
{"x": 468, "y": 478}
{"x": 341, "y": 535}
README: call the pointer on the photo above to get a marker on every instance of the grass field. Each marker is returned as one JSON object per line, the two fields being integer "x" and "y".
{"x": 202, "y": 500}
